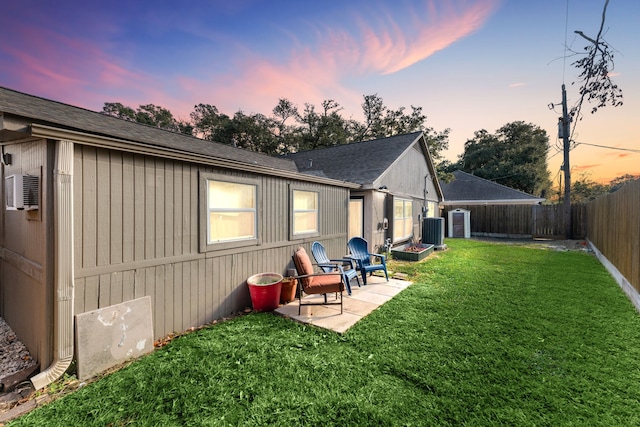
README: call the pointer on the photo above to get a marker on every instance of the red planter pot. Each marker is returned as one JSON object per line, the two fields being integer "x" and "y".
{"x": 265, "y": 289}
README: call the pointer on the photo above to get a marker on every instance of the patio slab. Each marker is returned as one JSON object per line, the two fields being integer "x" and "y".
{"x": 356, "y": 306}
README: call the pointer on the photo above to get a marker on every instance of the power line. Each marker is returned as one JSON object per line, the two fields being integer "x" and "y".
{"x": 566, "y": 28}
{"x": 632, "y": 150}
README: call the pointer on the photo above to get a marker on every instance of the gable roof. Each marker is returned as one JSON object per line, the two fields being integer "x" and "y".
{"x": 470, "y": 189}
{"x": 23, "y": 115}
{"x": 361, "y": 162}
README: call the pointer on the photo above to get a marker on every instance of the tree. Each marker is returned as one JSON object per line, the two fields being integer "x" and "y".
{"x": 373, "y": 110}
{"x": 286, "y": 135}
{"x": 149, "y": 114}
{"x": 514, "y": 156}
{"x": 208, "y": 122}
{"x": 322, "y": 129}
{"x": 617, "y": 183}
{"x": 595, "y": 68}
{"x": 584, "y": 190}
{"x": 116, "y": 109}
{"x": 381, "y": 121}
{"x": 313, "y": 128}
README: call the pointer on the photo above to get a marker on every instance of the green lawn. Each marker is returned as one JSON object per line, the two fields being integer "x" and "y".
{"x": 489, "y": 334}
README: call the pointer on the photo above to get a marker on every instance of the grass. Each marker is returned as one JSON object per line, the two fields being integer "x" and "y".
{"x": 489, "y": 334}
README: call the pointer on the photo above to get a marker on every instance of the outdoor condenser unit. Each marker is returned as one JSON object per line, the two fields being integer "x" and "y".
{"x": 21, "y": 192}
{"x": 433, "y": 232}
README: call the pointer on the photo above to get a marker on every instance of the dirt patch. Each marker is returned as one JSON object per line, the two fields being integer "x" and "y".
{"x": 558, "y": 245}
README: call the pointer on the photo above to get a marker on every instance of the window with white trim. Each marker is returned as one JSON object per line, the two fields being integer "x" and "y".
{"x": 402, "y": 219}
{"x": 231, "y": 211}
{"x": 305, "y": 212}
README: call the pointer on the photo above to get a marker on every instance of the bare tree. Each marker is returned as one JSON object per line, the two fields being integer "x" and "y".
{"x": 595, "y": 68}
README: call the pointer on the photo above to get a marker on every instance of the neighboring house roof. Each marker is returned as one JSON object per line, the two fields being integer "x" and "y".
{"x": 467, "y": 189}
{"x": 361, "y": 162}
{"x": 27, "y": 115}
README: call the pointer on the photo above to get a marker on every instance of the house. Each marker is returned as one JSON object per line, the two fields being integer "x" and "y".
{"x": 115, "y": 211}
{"x": 466, "y": 189}
{"x": 397, "y": 185}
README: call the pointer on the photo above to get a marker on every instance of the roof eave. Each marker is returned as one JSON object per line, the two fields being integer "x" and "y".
{"x": 44, "y": 131}
{"x": 494, "y": 202}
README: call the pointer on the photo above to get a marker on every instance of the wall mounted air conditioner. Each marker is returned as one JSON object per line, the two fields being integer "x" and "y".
{"x": 22, "y": 192}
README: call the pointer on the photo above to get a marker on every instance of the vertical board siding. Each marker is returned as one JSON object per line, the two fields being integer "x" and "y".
{"x": 169, "y": 206}
{"x": 103, "y": 207}
{"x": 26, "y": 239}
{"x": 138, "y": 208}
{"x": 139, "y": 230}
{"x": 160, "y": 209}
{"x": 149, "y": 208}
{"x": 116, "y": 187}
{"x": 89, "y": 197}
{"x": 128, "y": 209}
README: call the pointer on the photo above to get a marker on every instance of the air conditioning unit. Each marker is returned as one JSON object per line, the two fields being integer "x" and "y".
{"x": 22, "y": 192}
{"x": 433, "y": 232}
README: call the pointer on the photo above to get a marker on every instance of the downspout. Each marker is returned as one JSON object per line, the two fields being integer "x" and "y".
{"x": 63, "y": 266}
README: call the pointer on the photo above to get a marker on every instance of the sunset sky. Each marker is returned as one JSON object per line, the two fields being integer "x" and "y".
{"x": 470, "y": 64}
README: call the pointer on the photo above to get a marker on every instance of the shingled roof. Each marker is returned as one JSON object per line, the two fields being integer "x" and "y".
{"x": 470, "y": 189}
{"x": 30, "y": 110}
{"x": 358, "y": 162}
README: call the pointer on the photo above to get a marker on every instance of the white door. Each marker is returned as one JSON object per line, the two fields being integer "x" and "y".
{"x": 356, "y": 217}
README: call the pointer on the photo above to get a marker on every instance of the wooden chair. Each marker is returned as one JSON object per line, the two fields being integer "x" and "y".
{"x": 317, "y": 283}
{"x": 358, "y": 247}
{"x": 328, "y": 265}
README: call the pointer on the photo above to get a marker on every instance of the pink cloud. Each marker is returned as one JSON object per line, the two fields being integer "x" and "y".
{"x": 586, "y": 167}
{"x": 72, "y": 70}
{"x": 312, "y": 73}
{"x": 84, "y": 72}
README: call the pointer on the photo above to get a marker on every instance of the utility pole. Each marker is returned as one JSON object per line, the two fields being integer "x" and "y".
{"x": 565, "y": 127}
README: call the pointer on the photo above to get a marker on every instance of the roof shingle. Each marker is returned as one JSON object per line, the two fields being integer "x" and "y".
{"x": 358, "y": 162}
{"x": 45, "y": 111}
{"x": 467, "y": 187}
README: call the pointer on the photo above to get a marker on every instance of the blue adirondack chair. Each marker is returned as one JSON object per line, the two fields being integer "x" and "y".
{"x": 358, "y": 247}
{"x": 328, "y": 265}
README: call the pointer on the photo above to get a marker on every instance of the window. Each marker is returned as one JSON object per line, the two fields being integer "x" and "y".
{"x": 432, "y": 210}
{"x": 231, "y": 211}
{"x": 402, "y": 219}
{"x": 305, "y": 212}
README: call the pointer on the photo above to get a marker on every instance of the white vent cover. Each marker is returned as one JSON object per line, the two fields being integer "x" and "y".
{"x": 22, "y": 192}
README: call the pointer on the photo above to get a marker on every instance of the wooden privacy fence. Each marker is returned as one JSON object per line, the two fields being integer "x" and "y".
{"x": 614, "y": 228}
{"x": 518, "y": 221}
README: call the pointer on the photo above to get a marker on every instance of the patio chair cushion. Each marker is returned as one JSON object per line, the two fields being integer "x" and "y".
{"x": 318, "y": 283}
{"x": 304, "y": 266}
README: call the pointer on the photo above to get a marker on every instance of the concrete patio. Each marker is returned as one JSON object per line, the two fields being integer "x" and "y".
{"x": 362, "y": 301}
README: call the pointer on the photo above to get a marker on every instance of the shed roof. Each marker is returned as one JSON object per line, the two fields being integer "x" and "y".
{"x": 467, "y": 188}
{"x": 21, "y": 113}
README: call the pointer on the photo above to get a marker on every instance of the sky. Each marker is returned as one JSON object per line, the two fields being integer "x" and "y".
{"x": 470, "y": 64}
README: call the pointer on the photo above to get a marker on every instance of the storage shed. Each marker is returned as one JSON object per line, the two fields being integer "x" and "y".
{"x": 459, "y": 223}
